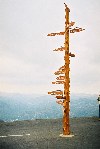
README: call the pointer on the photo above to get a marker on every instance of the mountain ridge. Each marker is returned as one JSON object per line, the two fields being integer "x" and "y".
{"x": 26, "y": 107}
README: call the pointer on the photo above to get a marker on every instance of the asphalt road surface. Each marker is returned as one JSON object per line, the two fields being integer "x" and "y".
{"x": 44, "y": 134}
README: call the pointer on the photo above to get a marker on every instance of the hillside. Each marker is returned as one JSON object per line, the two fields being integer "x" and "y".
{"x": 27, "y": 107}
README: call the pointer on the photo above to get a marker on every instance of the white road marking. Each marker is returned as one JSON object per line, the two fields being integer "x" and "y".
{"x": 27, "y": 134}
{"x": 14, "y": 136}
{"x": 3, "y": 136}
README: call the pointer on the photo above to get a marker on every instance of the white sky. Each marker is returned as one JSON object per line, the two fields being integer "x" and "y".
{"x": 27, "y": 60}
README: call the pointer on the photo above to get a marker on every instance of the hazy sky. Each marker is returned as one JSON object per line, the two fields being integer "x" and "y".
{"x": 27, "y": 60}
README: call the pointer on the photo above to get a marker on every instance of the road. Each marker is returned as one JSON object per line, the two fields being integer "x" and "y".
{"x": 44, "y": 134}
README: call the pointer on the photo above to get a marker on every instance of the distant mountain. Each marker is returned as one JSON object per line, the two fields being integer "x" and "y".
{"x": 84, "y": 105}
{"x": 23, "y": 106}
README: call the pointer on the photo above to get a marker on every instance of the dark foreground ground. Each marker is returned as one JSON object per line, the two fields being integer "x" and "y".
{"x": 44, "y": 134}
